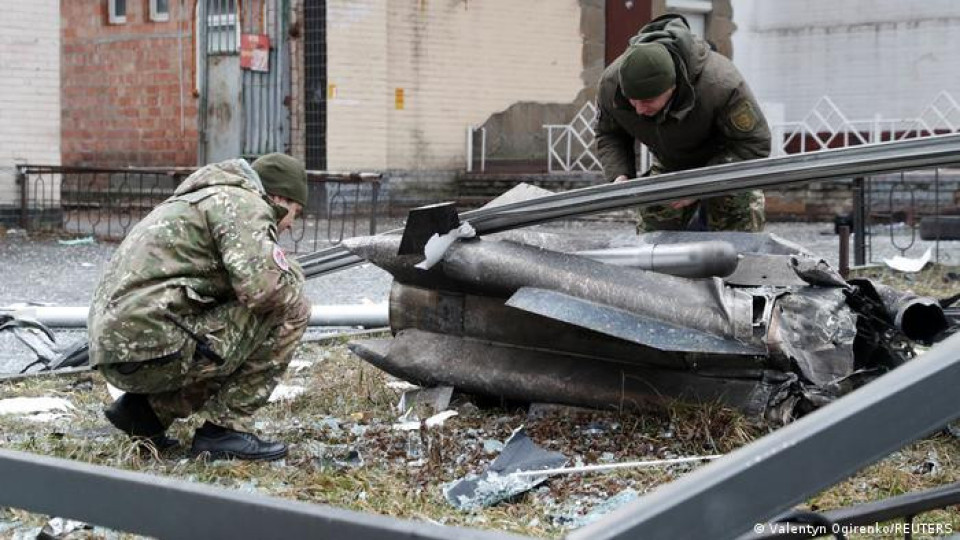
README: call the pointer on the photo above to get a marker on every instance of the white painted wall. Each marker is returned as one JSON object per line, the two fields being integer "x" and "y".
{"x": 457, "y": 62}
{"x": 887, "y": 57}
{"x": 30, "y": 88}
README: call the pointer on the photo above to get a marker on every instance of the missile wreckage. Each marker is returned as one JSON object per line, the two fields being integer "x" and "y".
{"x": 746, "y": 320}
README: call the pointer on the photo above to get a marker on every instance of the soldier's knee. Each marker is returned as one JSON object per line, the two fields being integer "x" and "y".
{"x": 299, "y": 313}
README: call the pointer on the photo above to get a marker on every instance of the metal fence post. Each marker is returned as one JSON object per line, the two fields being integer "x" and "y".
{"x": 374, "y": 202}
{"x": 24, "y": 187}
{"x": 483, "y": 149}
{"x": 859, "y": 225}
{"x": 844, "y": 232}
{"x": 549, "y": 149}
{"x": 469, "y": 148}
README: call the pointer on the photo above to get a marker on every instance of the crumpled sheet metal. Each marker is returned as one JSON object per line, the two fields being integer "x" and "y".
{"x": 497, "y": 483}
{"x": 816, "y": 330}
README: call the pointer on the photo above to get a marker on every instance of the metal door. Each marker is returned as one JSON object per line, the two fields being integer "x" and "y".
{"x": 623, "y": 20}
{"x": 242, "y": 109}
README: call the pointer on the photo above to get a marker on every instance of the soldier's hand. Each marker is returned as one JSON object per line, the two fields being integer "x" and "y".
{"x": 682, "y": 203}
{"x": 621, "y": 178}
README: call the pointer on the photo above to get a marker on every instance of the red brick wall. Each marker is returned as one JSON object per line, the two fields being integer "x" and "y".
{"x": 127, "y": 91}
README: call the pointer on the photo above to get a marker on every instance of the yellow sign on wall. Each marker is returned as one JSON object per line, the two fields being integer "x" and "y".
{"x": 331, "y": 91}
{"x": 398, "y": 98}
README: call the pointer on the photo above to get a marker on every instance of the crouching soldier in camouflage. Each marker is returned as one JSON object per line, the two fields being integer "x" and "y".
{"x": 199, "y": 311}
{"x": 691, "y": 107}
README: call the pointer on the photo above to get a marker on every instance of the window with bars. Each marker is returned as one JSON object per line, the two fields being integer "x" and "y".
{"x": 223, "y": 28}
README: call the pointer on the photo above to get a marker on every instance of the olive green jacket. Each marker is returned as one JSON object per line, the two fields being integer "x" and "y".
{"x": 213, "y": 242}
{"x": 712, "y": 118}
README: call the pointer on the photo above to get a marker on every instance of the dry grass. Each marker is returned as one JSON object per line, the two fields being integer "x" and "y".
{"x": 349, "y": 407}
{"x": 934, "y": 280}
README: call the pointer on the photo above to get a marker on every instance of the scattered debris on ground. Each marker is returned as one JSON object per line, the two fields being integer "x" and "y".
{"x": 346, "y": 452}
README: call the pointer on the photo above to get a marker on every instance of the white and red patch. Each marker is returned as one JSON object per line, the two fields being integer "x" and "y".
{"x": 280, "y": 258}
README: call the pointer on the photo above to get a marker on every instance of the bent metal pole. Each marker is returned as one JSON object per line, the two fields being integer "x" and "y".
{"x": 840, "y": 163}
{"x": 363, "y": 315}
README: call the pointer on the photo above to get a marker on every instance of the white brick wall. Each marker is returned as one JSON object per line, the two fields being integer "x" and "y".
{"x": 457, "y": 61}
{"x": 30, "y": 92}
{"x": 887, "y": 57}
{"x": 357, "y": 73}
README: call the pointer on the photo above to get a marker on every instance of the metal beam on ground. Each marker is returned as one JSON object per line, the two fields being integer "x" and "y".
{"x": 363, "y": 315}
{"x": 170, "y": 508}
{"x": 759, "y": 481}
{"x": 851, "y": 162}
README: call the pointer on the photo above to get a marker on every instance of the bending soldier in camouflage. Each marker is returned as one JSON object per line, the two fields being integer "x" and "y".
{"x": 691, "y": 108}
{"x": 200, "y": 311}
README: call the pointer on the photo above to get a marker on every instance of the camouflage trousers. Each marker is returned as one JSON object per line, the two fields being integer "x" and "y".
{"x": 737, "y": 212}
{"x": 256, "y": 350}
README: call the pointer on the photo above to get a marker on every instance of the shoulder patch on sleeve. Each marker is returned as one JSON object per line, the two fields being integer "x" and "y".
{"x": 743, "y": 117}
{"x": 280, "y": 258}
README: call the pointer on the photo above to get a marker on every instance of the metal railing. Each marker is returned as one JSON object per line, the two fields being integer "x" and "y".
{"x": 890, "y": 206}
{"x": 570, "y": 147}
{"x": 108, "y": 202}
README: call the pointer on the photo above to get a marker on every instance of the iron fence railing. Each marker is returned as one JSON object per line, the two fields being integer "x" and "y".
{"x": 108, "y": 202}
{"x": 572, "y": 147}
{"x": 910, "y": 209}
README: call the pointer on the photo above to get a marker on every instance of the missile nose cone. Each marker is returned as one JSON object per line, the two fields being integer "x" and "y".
{"x": 722, "y": 259}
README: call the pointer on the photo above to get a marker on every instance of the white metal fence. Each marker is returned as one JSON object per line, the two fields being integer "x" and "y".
{"x": 572, "y": 147}
{"x": 826, "y": 126}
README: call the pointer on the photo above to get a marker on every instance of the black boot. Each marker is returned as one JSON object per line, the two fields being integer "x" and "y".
{"x": 132, "y": 414}
{"x": 222, "y": 443}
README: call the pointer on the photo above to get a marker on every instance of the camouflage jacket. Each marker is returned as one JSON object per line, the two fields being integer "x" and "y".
{"x": 214, "y": 241}
{"x": 712, "y": 118}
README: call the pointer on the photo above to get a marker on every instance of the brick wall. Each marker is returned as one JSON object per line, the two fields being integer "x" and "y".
{"x": 455, "y": 62}
{"x": 29, "y": 93}
{"x": 127, "y": 89}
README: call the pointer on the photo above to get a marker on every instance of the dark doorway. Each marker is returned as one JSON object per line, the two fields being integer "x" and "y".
{"x": 623, "y": 20}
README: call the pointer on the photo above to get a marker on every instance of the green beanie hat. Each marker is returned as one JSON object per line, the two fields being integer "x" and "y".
{"x": 646, "y": 71}
{"x": 283, "y": 176}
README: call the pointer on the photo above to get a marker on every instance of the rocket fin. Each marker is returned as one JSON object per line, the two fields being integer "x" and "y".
{"x": 625, "y": 325}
